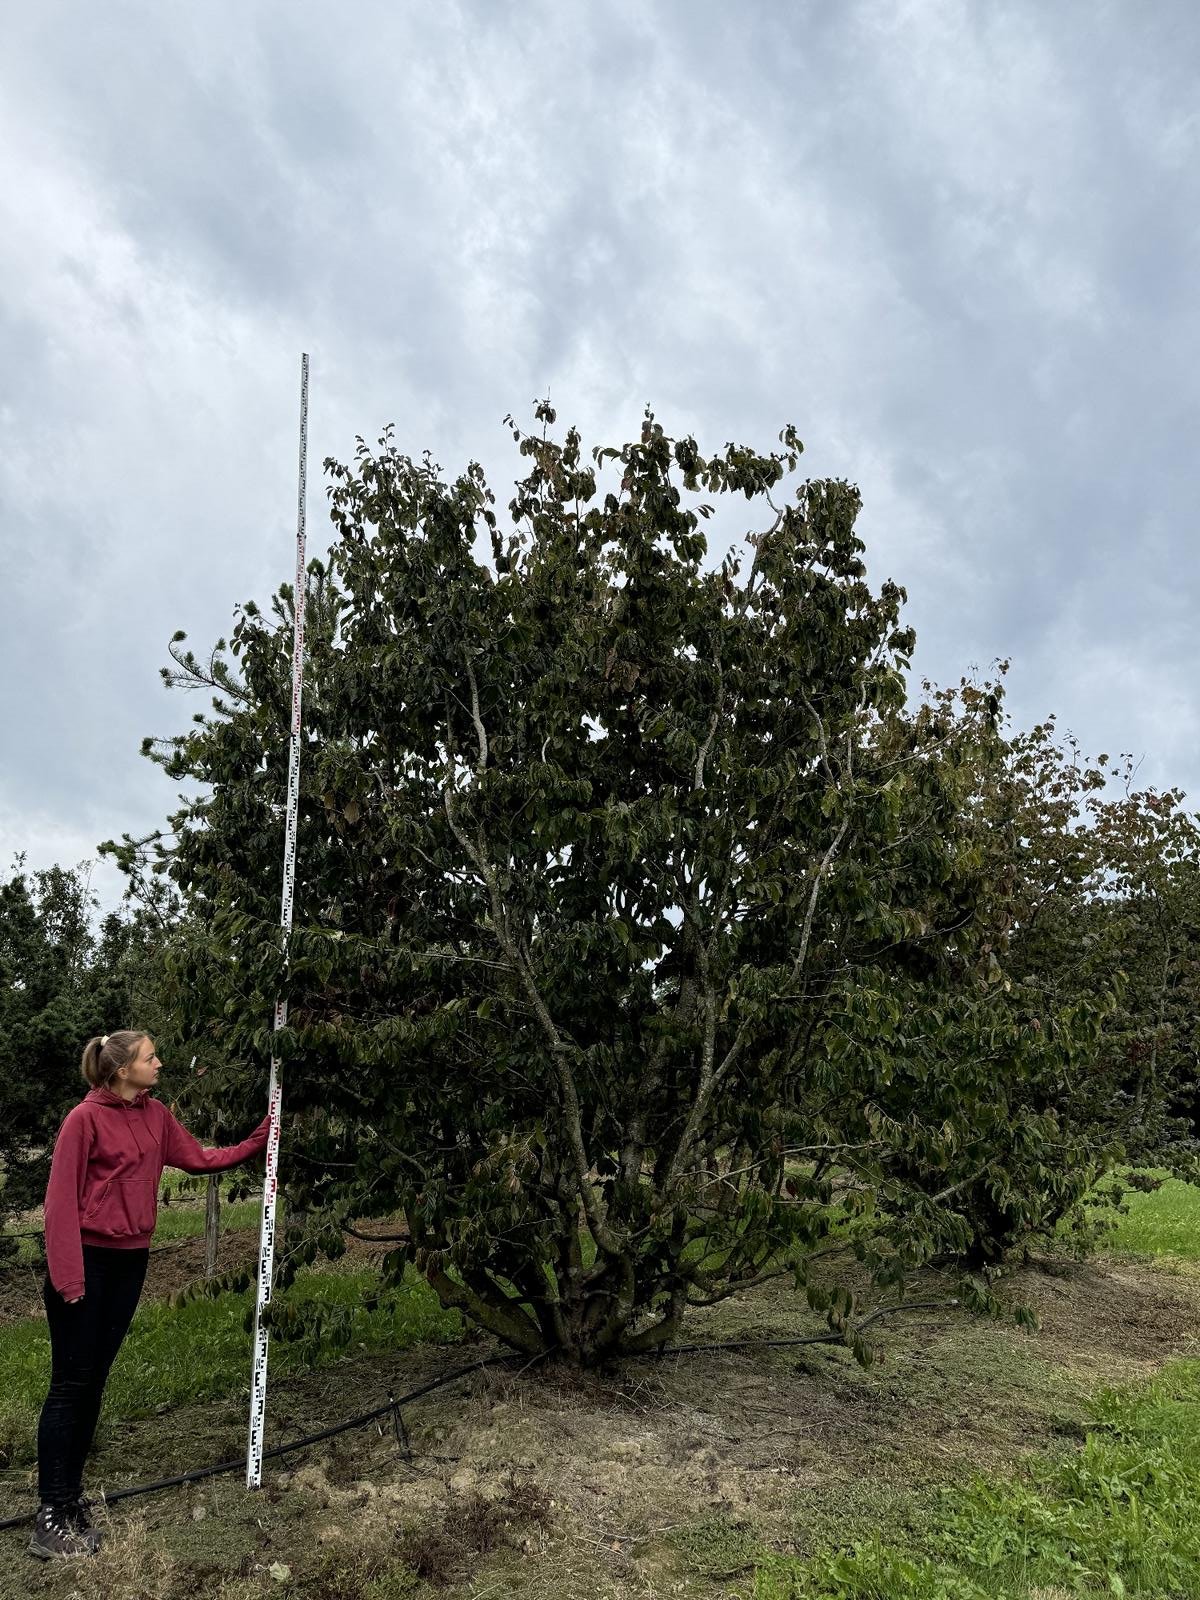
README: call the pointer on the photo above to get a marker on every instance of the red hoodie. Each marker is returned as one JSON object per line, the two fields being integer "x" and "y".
{"x": 104, "y": 1174}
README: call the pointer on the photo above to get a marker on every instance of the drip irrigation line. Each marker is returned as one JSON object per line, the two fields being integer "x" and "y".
{"x": 393, "y": 1406}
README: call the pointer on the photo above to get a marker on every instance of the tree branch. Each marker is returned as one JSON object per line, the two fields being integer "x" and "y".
{"x": 698, "y": 781}
{"x": 711, "y": 1079}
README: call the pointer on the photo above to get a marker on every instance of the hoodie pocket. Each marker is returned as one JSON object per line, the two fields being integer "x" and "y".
{"x": 95, "y": 1204}
{"x": 129, "y": 1208}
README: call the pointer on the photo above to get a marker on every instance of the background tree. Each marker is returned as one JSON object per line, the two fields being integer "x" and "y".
{"x": 64, "y": 976}
{"x": 1104, "y": 880}
{"x": 960, "y": 1069}
{"x": 1146, "y": 922}
{"x": 1089, "y": 915}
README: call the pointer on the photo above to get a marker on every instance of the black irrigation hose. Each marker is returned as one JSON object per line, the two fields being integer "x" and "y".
{"x": 392, "y": 1405}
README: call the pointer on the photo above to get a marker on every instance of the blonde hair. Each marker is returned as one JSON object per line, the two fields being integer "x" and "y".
{"x": 105, "y": 1055}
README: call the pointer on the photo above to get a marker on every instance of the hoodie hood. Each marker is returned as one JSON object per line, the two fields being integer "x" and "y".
{"x": 106, "y": 1097}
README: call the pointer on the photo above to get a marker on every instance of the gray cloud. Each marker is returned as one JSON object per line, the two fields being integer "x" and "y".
{"x": 955, "y": 244}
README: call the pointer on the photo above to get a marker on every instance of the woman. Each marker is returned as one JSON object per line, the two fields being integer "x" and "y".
{"x": 101, "y": 1207}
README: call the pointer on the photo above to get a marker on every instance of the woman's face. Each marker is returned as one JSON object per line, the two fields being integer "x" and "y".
{"x": 142, "y": 1072}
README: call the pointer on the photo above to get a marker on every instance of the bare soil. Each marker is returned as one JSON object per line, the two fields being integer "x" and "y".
{"x": 666, "y": 1477}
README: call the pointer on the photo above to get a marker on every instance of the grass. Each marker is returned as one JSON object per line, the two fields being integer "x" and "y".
{"x": 716, "y": 1546}
{"x": 180, "y": 1222}
{"x": 1121, "y": 1516}
{"x": 200, "y": 1351}
{"x": 1164, "y": 1223}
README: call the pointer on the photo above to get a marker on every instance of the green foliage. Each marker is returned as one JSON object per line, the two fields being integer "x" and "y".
{"x": 1120, "y": 1516}
{"x": 1106, "y": 898}
{"x": 62, "y": 980}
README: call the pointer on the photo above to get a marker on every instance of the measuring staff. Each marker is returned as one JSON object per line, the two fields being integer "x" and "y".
{"x": 101, "y": 1208}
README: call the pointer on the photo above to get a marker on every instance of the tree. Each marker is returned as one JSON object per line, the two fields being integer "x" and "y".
{"x": 1104, "y": 882}
{"x": 593, "y": 840}
{"x": 967, "y": 1067}
{"x": 1093, "y": 917}
{"x": 62, "y": 980}
{"x": 1146, "y": 924}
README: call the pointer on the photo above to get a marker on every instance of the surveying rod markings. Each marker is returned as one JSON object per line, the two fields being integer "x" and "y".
{"x": 266, "y": 1248}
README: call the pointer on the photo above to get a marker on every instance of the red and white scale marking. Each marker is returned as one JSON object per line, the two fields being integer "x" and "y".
{"x": 266, "y": 1248}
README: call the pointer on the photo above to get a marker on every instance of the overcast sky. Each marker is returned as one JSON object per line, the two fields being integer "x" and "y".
{"x": 954, "y": 243}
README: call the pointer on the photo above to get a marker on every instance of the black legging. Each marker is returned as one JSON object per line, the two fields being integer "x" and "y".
{"x": 84, "y": 1340}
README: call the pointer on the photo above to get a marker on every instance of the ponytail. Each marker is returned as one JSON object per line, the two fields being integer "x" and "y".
{"x": 106, "y": 1054}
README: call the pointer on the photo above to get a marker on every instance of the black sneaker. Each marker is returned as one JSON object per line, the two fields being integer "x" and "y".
{"x": 55, "y": 1536}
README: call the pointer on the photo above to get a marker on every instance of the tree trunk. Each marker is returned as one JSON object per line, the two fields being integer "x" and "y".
{"x": 212, "y": 1224}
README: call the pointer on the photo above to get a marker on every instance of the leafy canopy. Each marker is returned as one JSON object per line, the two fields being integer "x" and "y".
{"x": 639, "y": 949}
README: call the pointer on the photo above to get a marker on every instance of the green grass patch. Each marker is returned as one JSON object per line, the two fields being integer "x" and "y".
{"x": 1165, "y": 1222}
{"x": 187, "y": 1222}
{"x": 200, "y": 1351}
{"x": 1121, "y": 1516}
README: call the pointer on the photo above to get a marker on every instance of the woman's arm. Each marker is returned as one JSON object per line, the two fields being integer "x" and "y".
{"x": 64, "y": 1195}
{"x": 182, "y": 1149}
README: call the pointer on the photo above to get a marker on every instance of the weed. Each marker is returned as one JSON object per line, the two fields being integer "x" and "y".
{"x": 398, "y": 1583}
{"x": 526, "y": 1504}
{"x": 130, "y": 1565}
{"x": 434, "y": 1554}
{"x": 368, "y": 1574}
